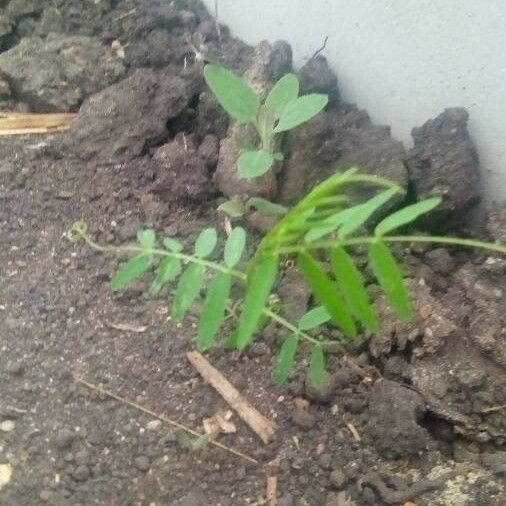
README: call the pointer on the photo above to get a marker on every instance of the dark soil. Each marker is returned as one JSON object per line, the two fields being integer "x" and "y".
{"x": 426, "y": 398}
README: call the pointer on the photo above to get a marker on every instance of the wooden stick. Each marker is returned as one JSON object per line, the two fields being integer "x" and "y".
{"x": 17, "y": 123}
{"x": 272, "y": 490}
{"x": 261, "y": 425}
{"x": 163, "y": 418}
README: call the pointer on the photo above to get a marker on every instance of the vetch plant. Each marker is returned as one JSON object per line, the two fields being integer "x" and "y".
{"x": 282, "y": 110}
{"x": 321, "y": 232}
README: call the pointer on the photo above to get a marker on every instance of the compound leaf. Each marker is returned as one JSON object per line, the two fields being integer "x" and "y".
{"x": 352, "y": 287}
{"x": 406, "y": 215}
{"x": 300, "y": 110}
{"x": 314, "y": 318}
{"x": 188, "y": 288}
{"x": 146, "y": 238}
{"x": 130, "y": 271}
{"x": 206, "y": 242}
{"x": 233, "y": 93}
{"x": 168, "y": 270}
{"x": 390, "y": 278}
{"x": 327, "y": 293}
{"x": 253, "y": 164}
{"x": 260, "y": 282}
{"x": 234, "y": 247}
{"x": 317, "y": 371}
{"x": 172, "y": 245}
{"x": 286, "y": 359}
{"x": 356, "y": 216}
{"x": 213, "y": 311}
{"x": 234, "y": 208}
{"x": 286, "y": 90}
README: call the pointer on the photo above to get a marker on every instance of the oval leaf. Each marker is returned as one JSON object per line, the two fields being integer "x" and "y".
{"x": 167, "y": 271}
{"x": 286, "y": 90}
{"x": 260, "y": 282}
{"x": 300, "y": 110}
{"x": 317, "y": 371}
{"x": 286, "y": 359}
{"x": 146, "y": 238}
{"x": 188, "y": 288}
{"x": 172, "y": 245}
{"x": 233, "y": 93}
{"x": 265, "y": 206}
{"x": 314, "y": 318}
{"x": 213, "y": 311}
{"x": 130, "y": 270}
{"x": 234, "y": 208}
{"x": 206, "y": 242}
{"x": 234, "y": 247}
{"x": 390, "y": 278}
{"x": 352, "y": 287}
{"x": 254, "y": 163}
{"x": 327, "y": 293}
{"x": 406, "y": 215}
{"x": 356, "y": 216}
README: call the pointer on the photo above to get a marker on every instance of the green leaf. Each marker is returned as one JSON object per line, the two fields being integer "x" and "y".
{"x": 265, "y": 125}
{"x": 146, "y": 238}
{"x": 300, "y": 110}
{"x": 286, "y": 359}
{"x": 406, "y": 215}
{"x": 352, "y": 287}
{"x": 206, "y": 242}
{"x": 261, "y": 279}
{"x": 390, "y": 278}
{"x": 356, "y": 216}
{"x": 234, "y": 247}
{"x": 130, "y": 271}
{"x": 233, "y": 93}
{"x": 314, "y": 318}
{"x": 172, "y": 245}
{"x": 168, "y": 270}
{"x": 253, "y": 164}
{"x": 317, "y": 371}
{"x": 234, "y": 208}
{"x": 213, "y": 311}
{"x": 286, "y": 90}
{"x": 231, "y": 341}
{"x": 265, "y": 206}
{"x": 188, "y": 288}
{"x": 327, "y": 293}
{"x": 328, "y": 225}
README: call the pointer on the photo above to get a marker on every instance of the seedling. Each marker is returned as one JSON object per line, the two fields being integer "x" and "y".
{"x": 282, "y": 110}
{"x": 324, "y": 224}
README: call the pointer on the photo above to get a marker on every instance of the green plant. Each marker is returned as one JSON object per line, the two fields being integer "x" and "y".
{"x": 321, "y": 232}
{"x": 282, "y": 110}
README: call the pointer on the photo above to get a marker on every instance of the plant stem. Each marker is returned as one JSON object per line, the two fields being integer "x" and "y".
{"x": 456, "y": 241}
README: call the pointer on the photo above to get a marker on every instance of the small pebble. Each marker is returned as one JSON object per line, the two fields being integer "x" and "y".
{"x": 337, "y": 478}
{"x": 81, "y": 473}
{"x": 369, "y": 496}
{"x": 153, "y": 425}
{"x": 303, "y": 419}
{"x": 7, "y": 426}
{"x": 142, "y": 463}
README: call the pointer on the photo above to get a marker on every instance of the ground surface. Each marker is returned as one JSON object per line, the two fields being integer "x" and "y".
{"x": 426, "y": 398}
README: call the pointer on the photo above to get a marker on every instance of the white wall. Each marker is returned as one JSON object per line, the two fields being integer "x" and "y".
{"x": 402, "y": 60}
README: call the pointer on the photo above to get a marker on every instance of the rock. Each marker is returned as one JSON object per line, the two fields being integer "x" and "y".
{"x": 337, "y": 478}
{"x": 229, "y": 181}
{"x": 471, "y": 378}
{"x": 209, "y": 150}
{"x": 317, "y": 77}
{"x": 368, "y": 496}
{"x": 153, "y": 425}
{"x": 45, "y": 495}
{"x": 495, "y": 462}
{"x": 336, "y": 140}
{"x": 142, "y": 463}
{"x": 294, "y": 293}
{"x": 394, "y": 411}
{"x": 183, "y": 174}
{"x": 193, "y": 499}
{"x": 440, "y": 260}
{"x": 59, "y": 72}
{"x": 303, "y": 419}
{"x": 444, "y": 162}
{"x": 496, "y": 222}
{"x": 120, "y": 121}
{"x": 64, "y": 439}
{"x": 81, "y": 473}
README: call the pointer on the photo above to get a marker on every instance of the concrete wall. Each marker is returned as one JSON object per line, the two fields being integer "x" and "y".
{"x": 402, "y": 60}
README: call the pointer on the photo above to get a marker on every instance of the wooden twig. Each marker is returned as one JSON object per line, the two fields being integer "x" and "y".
{"x": 272, "y": 490}
{"x": 261, "y": 425}
{"x": 163, "y": 418}
{"x": 16, "y": 123}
